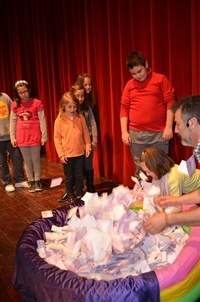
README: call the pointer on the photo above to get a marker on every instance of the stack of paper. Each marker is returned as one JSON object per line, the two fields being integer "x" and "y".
{"x": 107, "y": 240}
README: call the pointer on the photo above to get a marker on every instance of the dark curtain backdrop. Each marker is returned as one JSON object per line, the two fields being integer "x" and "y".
{"x": 50, "y": 42}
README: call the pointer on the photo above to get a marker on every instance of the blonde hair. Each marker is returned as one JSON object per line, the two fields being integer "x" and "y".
{"x": 65, "y": 99}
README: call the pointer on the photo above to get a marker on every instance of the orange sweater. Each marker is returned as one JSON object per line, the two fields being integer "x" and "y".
{"x": 71, "y": 137}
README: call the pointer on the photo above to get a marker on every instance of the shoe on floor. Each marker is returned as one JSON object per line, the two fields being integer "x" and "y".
{"x": 31, "y": 186}
{"x": 67, "y": 198}
{"x": 22, "y": 184}
{"x": 63, "y": 198}
{"x": 38, "y": 186}
{"x": 10, "y": 188}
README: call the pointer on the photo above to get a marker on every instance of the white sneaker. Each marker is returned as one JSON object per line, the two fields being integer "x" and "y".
{"x": 22, "y": 184}
{"x": 10, "y": 188}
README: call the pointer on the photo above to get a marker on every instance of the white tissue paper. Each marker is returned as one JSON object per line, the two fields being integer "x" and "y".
{"x": 107, "y": 240}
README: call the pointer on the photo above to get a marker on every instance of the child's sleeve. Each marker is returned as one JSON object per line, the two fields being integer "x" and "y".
{"x": 43, "y": 125}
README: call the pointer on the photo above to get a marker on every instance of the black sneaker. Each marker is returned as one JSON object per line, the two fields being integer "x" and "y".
{"x": 67, "y": 198}
{"x": 38, "y": 186}
{"x": 63, "y": 198}
{"x": 31, "y": 186}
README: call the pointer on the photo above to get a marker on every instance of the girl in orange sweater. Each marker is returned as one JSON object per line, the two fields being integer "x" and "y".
{"x": 72, "y": 143}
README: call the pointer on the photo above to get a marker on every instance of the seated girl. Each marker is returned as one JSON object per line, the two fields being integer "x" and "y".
{"x": 165, "y": 173}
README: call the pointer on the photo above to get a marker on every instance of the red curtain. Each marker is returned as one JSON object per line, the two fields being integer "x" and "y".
{"x": 50, "y": 42}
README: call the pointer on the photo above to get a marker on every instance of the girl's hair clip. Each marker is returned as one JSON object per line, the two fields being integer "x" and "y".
{"x": 21, "y": 82}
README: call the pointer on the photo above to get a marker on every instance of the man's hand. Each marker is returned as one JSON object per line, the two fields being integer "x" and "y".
{"x": 168, "y": 201}
{"x": 156, "y": 223}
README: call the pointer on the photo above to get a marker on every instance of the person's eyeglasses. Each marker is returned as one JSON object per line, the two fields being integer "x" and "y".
{"x": 23, "y": 92}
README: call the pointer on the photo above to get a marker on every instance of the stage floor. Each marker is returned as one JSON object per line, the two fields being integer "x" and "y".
{"x": 19, "y": 208}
